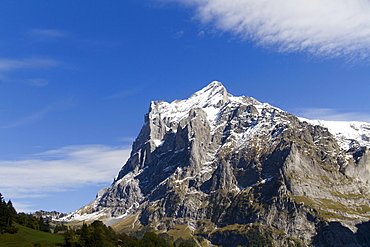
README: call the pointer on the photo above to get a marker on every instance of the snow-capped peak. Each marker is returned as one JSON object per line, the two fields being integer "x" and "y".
{"x": 215, "y": 94}
{"x": 186, "y": 143}
{"x": 210, "y": 99}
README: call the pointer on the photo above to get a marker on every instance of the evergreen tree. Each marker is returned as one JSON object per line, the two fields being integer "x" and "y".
{"x": 59, "y": 228}
{"x": 44, "y": 226}
{"x": 7, "y": 215}
{"x": 70, "y": 239}
{"x": 3, "y": 214}
{"x": 11, "y": 209}
{"x": 84, "y": 236}
{"x": 99, "y": 235}
{"x": 32, "y": 222}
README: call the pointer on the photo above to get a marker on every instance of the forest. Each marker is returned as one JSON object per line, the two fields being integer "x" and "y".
{"x": 98, "y": 234}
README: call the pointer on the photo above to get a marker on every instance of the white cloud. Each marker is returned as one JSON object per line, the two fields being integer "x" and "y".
{"x": 331, "y": 114}
{"x": 47, "y": 33}
{"x": 36, "y": 116}
{"x": 126, "y": 139}
{"x": 178, "y": 34}
{"x": 24, "y": 207}
{"x": 201, "y": 34}
{"x": 123, "y": 94}
{"x": 328, "y": 28}
{"x": 37, "y": 82}
{"x": 9, "y": 66}
{"x": 27, "y": 63}
{"x": 61, "y": 170}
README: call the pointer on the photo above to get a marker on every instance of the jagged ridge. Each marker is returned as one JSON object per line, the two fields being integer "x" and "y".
{"x": 215, "y": 160}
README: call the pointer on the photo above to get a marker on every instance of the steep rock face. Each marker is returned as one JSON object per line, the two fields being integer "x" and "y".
{"x": 229, "y": 167}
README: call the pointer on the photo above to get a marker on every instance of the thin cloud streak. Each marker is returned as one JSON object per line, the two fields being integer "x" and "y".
{"x": 126, "y": 139}
{"x": 37, "y": 82}
{"x": 27, "y": 63}
{"x": 62, "y": 169}
{"x": 9, "y": 66}
{"x": 324, "y": 28}
{"x": 47, "y": 33}
{"x": 29, "y": 119}
{"x": 123, "y": 94}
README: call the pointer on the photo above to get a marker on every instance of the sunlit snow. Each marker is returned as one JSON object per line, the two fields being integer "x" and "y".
{"x": 346, "y": 131}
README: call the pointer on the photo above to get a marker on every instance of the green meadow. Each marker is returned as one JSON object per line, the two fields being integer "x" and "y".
{"x": 27, "y": 237}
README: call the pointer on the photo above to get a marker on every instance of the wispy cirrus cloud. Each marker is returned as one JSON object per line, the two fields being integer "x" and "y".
{"x": 27, "y": 63}
{"x": 61, "y": 169}
{"x": 42, "y": 34}
{"x": 324, "y": 28}
{"x": 38, "y": 82}
{"x": 123, "y": 94}
{"x": 331, "y": 114}
{"x": 126, "y": 139}
{"x": 36, "y": 116}
{"x": 8, "y": 67}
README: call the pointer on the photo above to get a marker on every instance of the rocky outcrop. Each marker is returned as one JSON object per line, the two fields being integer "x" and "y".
{"x": 49, "y": 216}
{"x": 234, "y": 170}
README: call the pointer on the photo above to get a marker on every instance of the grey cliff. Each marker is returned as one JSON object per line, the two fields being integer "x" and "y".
{"x": 231, "y": 167}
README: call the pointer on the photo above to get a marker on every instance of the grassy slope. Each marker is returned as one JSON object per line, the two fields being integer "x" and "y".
{"x": 26, "y": 237}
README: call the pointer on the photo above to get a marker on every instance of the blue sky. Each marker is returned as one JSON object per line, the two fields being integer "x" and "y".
{"x": 77, "y": 77}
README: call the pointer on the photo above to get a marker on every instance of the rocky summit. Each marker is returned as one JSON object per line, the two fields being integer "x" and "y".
{"x": 226, "y": 170}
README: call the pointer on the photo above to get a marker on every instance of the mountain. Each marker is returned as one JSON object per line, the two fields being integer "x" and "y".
{"x": 49, "y": 216}
{"x": 233, "y": 171}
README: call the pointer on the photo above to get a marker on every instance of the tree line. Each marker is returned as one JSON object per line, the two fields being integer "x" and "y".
{"x": 99, "y": 235}
{"x": 96, "y": 234}
{"x": 8, "y": 215}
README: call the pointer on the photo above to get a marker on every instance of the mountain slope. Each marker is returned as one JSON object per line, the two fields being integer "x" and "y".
{"x": 232, "y": 167}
